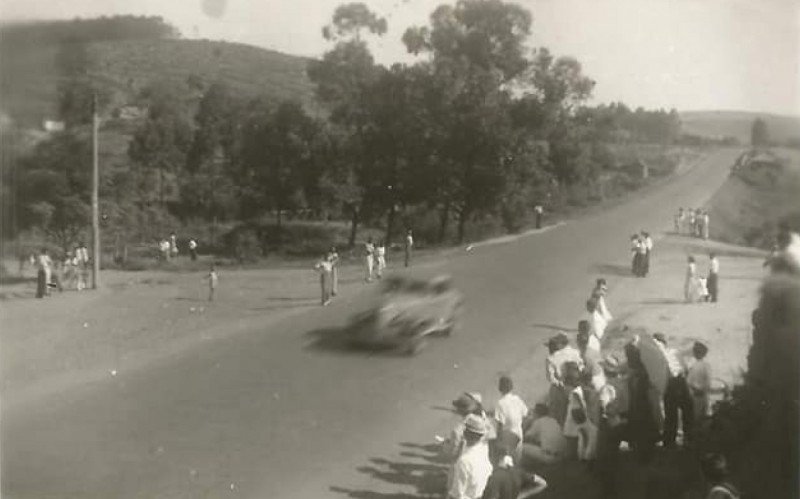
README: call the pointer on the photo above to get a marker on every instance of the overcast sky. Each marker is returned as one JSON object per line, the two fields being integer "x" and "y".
{"x": 687, "y": 54}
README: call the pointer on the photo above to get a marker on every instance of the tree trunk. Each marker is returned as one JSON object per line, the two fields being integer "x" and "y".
{"x": 444, "y": 219}
{"x": 463, "y": 215}
{"x": 351, "y": 242}
{"x": 390, "y": 219}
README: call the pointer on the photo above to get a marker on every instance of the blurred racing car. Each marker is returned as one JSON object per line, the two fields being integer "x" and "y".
{"x": 409, "y": 311}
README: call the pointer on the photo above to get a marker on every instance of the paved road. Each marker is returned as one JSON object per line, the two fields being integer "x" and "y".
{"x": 284, "y": 412}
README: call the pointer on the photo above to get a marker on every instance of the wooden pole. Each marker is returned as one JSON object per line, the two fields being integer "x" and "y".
{"x": 95, "y": 198}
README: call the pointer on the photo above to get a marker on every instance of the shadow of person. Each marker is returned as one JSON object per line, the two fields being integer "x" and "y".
{"x": 421, "y": 471}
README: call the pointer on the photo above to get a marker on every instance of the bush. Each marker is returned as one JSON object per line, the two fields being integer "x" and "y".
{"x": 243, "y": 244}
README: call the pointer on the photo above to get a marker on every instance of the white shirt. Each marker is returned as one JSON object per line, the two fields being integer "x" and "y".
{"x": 369, "y": 248}
{"x": 409, "y": 241}
{"x": 192, "y": 244}
{"x": 510, "y": 412}
{"x": 673, "y": 363}
{"x": 699, "y": 376}
{"x": 648, "y": 243}
{"x": 714, "y": 266}
{"x": 471, "y": 472}
{"x": 380, "y": 251}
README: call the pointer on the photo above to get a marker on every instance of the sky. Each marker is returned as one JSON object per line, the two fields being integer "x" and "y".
{"x": 685, "y": 54}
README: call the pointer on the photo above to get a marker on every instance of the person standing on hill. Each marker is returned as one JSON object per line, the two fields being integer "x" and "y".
{"x": 647, "y": 242}
{"x": 369, "y": 259}
{"x": 409, "y": 247}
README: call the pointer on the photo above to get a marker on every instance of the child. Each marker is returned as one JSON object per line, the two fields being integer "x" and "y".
{"x": 324, "y": 267}
{"x": 213, "y": 280}
{"x": 699, "y": 381}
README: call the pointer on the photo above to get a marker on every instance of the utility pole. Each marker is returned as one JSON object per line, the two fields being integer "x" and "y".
{"x": 95, "y": 198}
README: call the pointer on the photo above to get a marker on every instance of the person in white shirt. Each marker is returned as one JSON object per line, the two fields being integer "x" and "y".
{"x": 325, "y": 269}
{"x": 561, "y": 353}
{"x": 712, "y": 283}
{"x": 173, "y": 244}
{"x": 544, "y": 442}
{"x": 706, "y": 222}
{"x": 647, "y": 242}
{"x": 676, "y": 397}
{"x": 472, "y": 469}
{"x": 44, "y": 274}
{"x": 510, "y": 412}
{"x": 380, "y": 259}
{"x": 409, "y": 247}
{"x": 193, "y": 249}
{"x": 369, "y": 258}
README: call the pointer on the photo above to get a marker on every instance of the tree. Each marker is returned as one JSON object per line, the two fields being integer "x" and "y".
{"x": 342, "y": 79}
{"x": 476, "y": 51}
{"x": 278, "y": 148}
{"x": 759, "y": 134}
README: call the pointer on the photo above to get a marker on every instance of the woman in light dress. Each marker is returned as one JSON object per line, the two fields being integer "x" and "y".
{"x": 694, "y": 287}
{"x": 599, "y": 316}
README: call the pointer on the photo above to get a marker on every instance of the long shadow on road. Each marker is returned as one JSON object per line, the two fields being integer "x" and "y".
{"x": 424, "y": 472}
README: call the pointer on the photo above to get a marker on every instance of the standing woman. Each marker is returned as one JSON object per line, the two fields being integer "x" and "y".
{"x": 333, "y": 257}
{"x": 369, "y": 258}
{"x": 380, "y": 258}
{"x": 706, "y": 222}
{"x": 648, "y": 249}
{"x": 635, "y": 244}
{"x": 691, "y": 276}
{"x": 713, "y": 278}
{"x": 44, "y": 268}
{"x": 642, "y": 426}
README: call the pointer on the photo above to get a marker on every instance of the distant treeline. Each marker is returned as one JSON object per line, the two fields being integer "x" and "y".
{"x": 87, "y": 30}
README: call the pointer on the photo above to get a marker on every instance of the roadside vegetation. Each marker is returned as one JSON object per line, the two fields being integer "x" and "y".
{"x": 257, "y": 153}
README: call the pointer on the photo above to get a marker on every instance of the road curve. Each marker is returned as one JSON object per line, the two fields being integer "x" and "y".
{"x": 286, "y": 413}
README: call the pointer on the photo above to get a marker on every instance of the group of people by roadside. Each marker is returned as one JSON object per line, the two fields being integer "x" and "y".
{"x": 692, "y": 222}
{"x": 168, "y": 248}
{"x": 595, "y": 406}
{"x": 69, "y": 272}
{"x": 641, "y": 249}
{"x": 701, "y": 289}
{"x": 374, "y": 257}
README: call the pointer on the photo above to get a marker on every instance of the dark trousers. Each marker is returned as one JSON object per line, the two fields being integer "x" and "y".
{"x": 677, "y": 398}
{"x": 713, "y": 286}
{"x": 193, "y": 254}
{"x": 408, "y": 256}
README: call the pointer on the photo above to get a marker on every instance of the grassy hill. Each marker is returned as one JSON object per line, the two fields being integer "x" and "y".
{"x": 752, "y": 202}
{"x": 29, "y": 78}
{"x": 737, "y": 124}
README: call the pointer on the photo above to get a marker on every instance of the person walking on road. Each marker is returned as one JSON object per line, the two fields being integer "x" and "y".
{"x": 369, "y": 259}
{"x": 713, "y": 278}
{"x": 409, "y": 247}
{"x": 213, "y": 280}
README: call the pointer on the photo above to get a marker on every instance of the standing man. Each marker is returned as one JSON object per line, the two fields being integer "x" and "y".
{"x": 713, "y": 278}
{"x": 43, "y": 275}
{"x": 511, "y": 411}
{"x": 409, "y": 246}
{"x": 539, "y": 214}
{"x": 325, "y": 269}
{"x": 472, "y": 469}
{"x": 676, "y": 397}
{"x": 706, "y": 222}
{"x": 369, "y": 258}
{"x": 648, "y": 247}
{"x": 193, "y": 248}
{"x": 380, "y": 258}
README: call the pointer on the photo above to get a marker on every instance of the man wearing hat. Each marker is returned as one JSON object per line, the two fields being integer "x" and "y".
{"x": 472, "y": 469}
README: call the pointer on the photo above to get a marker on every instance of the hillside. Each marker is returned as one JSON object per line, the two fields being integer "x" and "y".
{"x": 29, "y": 78}
{"x": 737, "y": 124}
{"x": 753, "y": 201}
